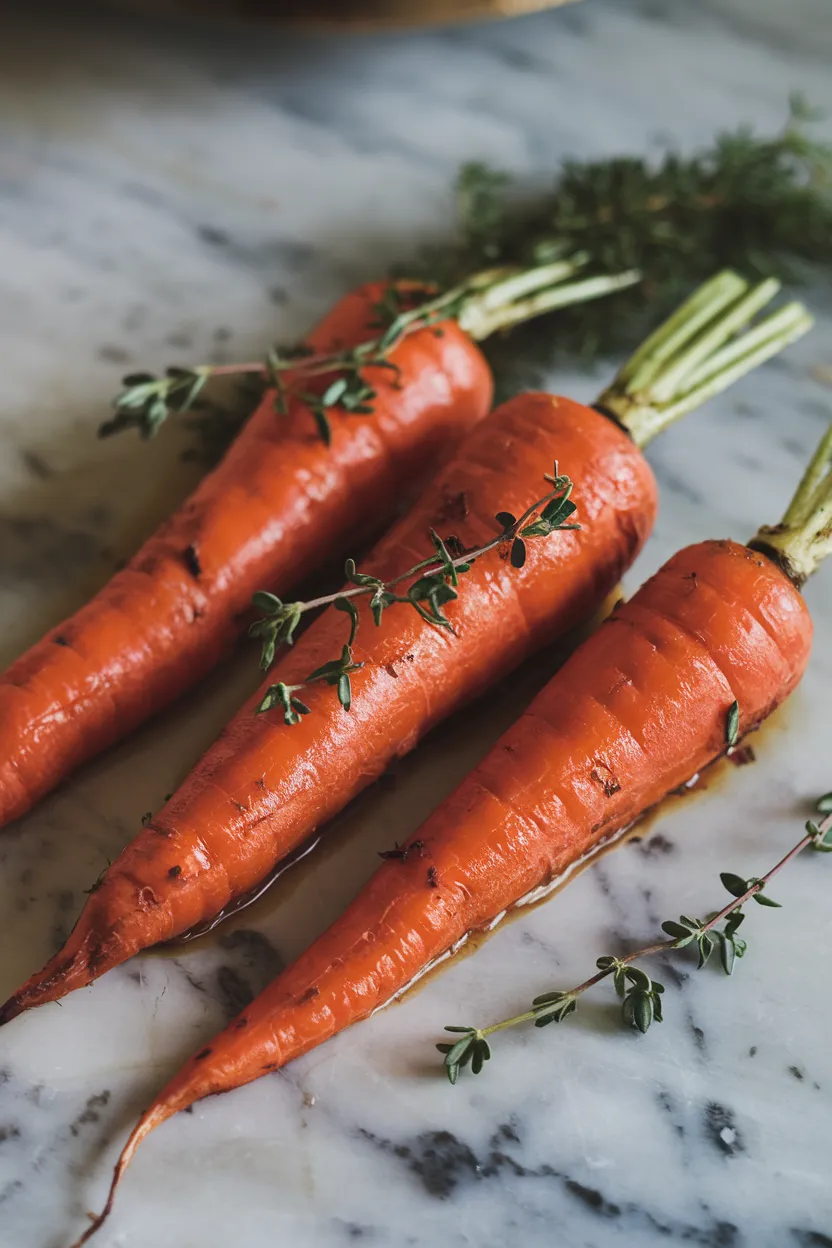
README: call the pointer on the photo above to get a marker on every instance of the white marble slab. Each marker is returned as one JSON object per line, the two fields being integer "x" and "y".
{"x": 174, "y": 192}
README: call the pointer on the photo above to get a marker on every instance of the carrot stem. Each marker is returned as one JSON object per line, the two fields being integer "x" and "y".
{"x": 803, "y": 538}
{"x": 703, "y": 348}
{"x": 532, "y": 292}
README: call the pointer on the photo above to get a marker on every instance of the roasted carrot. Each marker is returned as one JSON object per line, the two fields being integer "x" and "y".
{"x": 264, "y": 787}
{"x": 700, "y": 655}
{"x": 280, "y": 503}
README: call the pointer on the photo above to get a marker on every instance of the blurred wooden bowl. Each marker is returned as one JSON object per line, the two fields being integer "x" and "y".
{"x": 345, "y": 15}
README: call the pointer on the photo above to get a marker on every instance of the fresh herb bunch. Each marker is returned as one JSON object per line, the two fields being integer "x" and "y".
{"x": 641, "y": 995}
{"x": 761, "y": 205}
{"x": 642, "y": 233}
{"x": 433, "y": 584}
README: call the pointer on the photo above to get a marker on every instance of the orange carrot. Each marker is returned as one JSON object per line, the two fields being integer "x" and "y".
{"x": 703, "y": 652}
{"x": 268, "y": 514}
{"x": 296, "y": 484}
{"x": 293, "y": 487}
{"x": 263, "y": 788}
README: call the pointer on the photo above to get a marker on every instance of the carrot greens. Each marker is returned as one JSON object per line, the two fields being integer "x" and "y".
{"x": 491, "y": 300}
{"x": 710, "y": 341}
{"x": 640, "y": 232}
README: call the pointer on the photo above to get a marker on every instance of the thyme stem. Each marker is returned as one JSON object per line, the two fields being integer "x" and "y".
{"x": 642, "y": 995}
{"x": 461, "y": 561}
{"x": 488, "y": 301}
{"x": 433, "y": 584}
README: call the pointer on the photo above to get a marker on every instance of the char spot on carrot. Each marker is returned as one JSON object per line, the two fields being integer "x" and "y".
{"x": 240, "y": 1023}
{"x": 402, "y": 853}
{"x": 98, "y": 957}
{"x": 269, "y": 1066}
{"x": 309, "y": 995}
{"x": 205, "y": 1053}
{"x": 261, "y": 782}
{"x": 457, "y": 547}
{"x": 433, "y": 879}
{"x": 390, "y": 669}
{"x": 238, "y": 805}
{"x": 454, "y": 506}
{"x": 192, "y": 560}
{"x": 602, "y": 774}
{"x": 60, "y": 640}
{"x": 175, "y": 872}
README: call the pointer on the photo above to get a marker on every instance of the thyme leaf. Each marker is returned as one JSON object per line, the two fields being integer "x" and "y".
{"x": 757, "y": 203}
{"x": 641, "y": 995}
{"x": 433, "y": 584}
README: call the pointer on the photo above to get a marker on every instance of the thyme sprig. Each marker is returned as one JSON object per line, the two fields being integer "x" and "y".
{"x": 433, "y": 583}
{"x": 641, "y": 995}
{"x": 482, "y": 304}
{"x": 761, "y": 204}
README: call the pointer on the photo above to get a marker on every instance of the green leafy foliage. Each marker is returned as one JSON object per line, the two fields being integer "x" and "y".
{"x": 284, "y": 695}
{"x": 758, "y": 204}
{"x": 732, "y": 725}
{"x": 755, "y": 203}
{"x": 472, "y": 1049}
{"x": 146, "y": 401}
{"x": 553, "y": 1007}
{"x": 433, "y": 583}
{"x": 641, "y": 996}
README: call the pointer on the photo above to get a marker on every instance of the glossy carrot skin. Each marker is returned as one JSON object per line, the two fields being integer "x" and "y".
{"x": 634, "y": 713}
{"x": 264, "y": 787}
{"x": 278, "y": 506}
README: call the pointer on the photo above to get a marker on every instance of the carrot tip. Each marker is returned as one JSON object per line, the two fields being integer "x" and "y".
{"x": 10, "y": 1009}
{"x": 152, "y": 1118}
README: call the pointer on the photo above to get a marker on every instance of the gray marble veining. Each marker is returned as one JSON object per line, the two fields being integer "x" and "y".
{"x": 172, "y": 192}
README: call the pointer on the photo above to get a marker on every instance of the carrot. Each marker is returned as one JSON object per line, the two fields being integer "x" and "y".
{"x": 274, "y": 510}
{"x": 266, "y": 513}
{"x": 705, "y": 650}
{"x": 263, "y": 788}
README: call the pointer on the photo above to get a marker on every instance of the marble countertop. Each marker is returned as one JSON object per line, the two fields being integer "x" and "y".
{"x": 173, "y": 191}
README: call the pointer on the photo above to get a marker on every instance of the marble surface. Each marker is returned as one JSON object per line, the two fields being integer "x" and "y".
{"x": 178, "y": 192}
